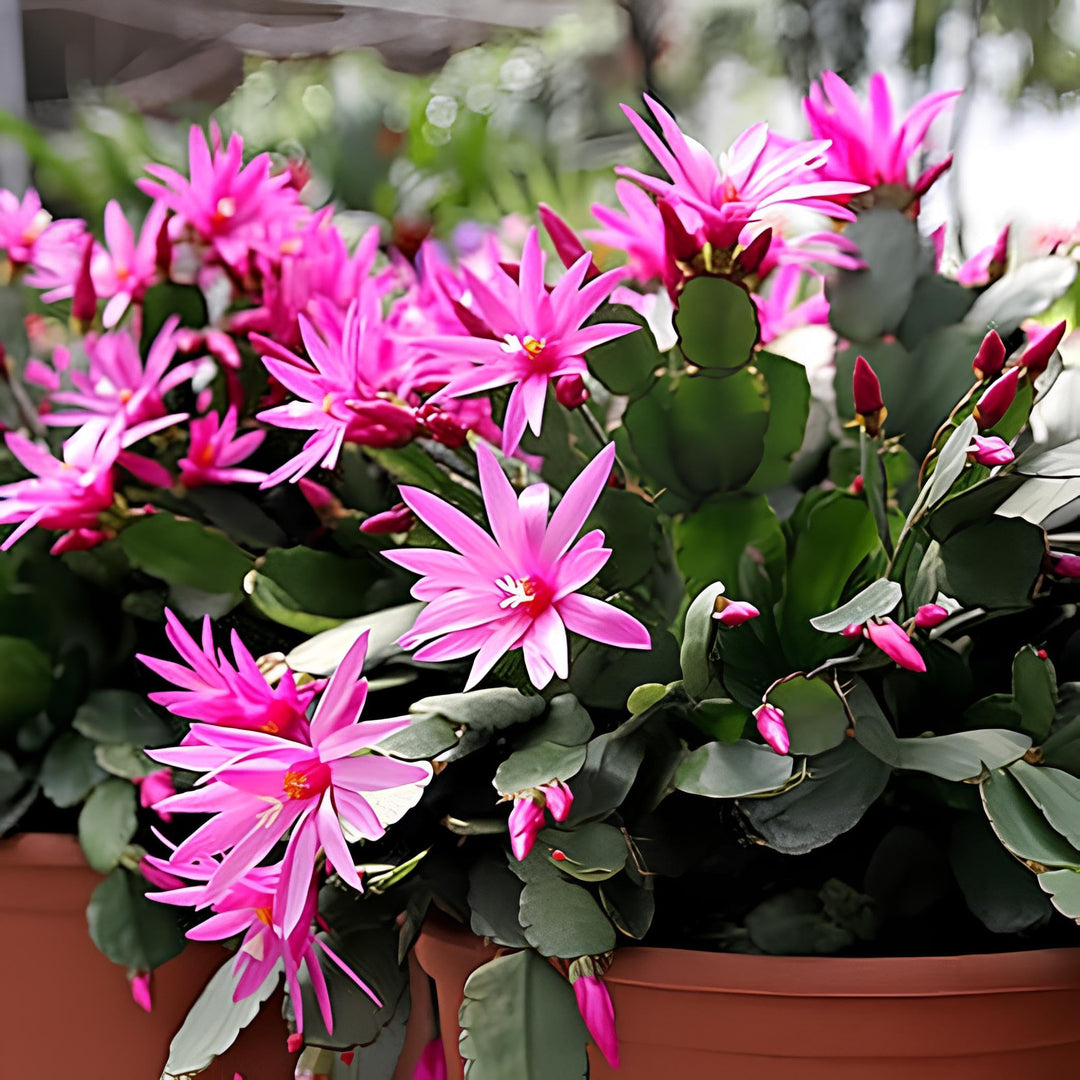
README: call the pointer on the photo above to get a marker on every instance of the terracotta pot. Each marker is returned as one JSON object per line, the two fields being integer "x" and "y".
{"x": 696, "y": 1016}
{"x": 67, "y": 1010}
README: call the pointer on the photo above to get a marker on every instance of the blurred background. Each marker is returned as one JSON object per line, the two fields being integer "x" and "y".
{"x": 437, "y": 114}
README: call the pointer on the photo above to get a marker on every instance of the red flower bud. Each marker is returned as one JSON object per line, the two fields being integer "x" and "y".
{"x": 894, "y": 643}
{"x": 570, "y": 391}
{"x": 930, "y": 615}
{"x": 440, "y": 426}
{"x": 990, "y": 450}
{"x": 294, "y": 1042}
{"x": 990, "y": 359}
{"x": 681, "y": 244}
{"x": 347, "y": 1057}
{"x": 869, "y": 408}
{"x": 84, "y": 300}
{"x": 1041, "y": 346}
{"x": 397, "y": 519}
{"x": 749, "y": 259}
{"x": 558, "y": 855}
{"x": 567, "y": 245}
{"x": 163, "y": 250}
{"x": 995, "y": 402}
{"x": 771, "y": 726}
{"x": 857, "y": 485}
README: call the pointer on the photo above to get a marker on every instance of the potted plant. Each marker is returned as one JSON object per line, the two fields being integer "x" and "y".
{"x": 730, "y": 718}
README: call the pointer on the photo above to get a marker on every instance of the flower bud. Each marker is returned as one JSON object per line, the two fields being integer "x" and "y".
{"x": 681, "y": 245}
{"x": 990, "y": 450}
{"x": 1065, "y": 565}
{"x": 930, "y": 615}
{"x": 163, "y": 250}
{"x": 559, "y": 799}
{"x": 565, "y": 241}
{"x": 894, "y": 643}
{"x": 84, "y": 299}
{"x": 140, "y": 990}
{"x": 398, "y": 519}
{"x": 441, "y": 427}
{"x": 995, "y": 402}
{"x": 990, "y": 359}
{"x": 594, "y": 1004}
{"x": 153, "y": 788}
{"x": 857, "y": 485}
{"x": 294, "y": 1042}
{"x": 749, "y": 259}
{"x": 733, "y": 612}
{"x": 853, "y": 631}
{"x": 570, "y": 391}
{"x": 771, "y": 726}
{"x": 526, "y": 820}
{"x": 1041, "y": 346}
{"x": 870, "y": 410}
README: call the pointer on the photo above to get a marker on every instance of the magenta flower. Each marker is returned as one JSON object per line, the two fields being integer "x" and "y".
{"x": 594, "y": 1004}
{"x": 518, "y": 588}
{"x": 215, "y": 451}
{"x": 533, "y": 336}
{"x": 734, "y": 612}
{"x": 781, "y": 310}
{"x": 771, "y": 727}
{"x": 260, "y": 786}
{"x": 215, "y": 691}
{"x": 117, "y": 387}
{"x": 759, "y": 172}
{"x": 224, "y": 201}
{"x": 986, "y": 265}
{"x": 990, "y": 450}
{"x": 125, "y": 269}
{"x": 248, "y": 907}
{"x": 930, "y": 615}
{"x": 352, "y": 390}
{"x": 527, "y": 817}
{"x": 28, "y": 233}
{"x": 155, "y": 787}
{"x": 867, "y": 145}
{"x": 891, "y": 639}
{"x": 640, "y": 232}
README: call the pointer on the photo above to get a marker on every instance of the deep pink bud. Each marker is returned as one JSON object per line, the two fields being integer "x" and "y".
{"x": 223, "y": 348}
{"x": 990, "y": 450}
{"x": 995, "y": 402}
{"x": 140, "y": 990}
{"x": 157, "y": 877}
{"x": 990, "y": 359}
{"x": 318, "y": 496}
{"x": 930, "y": 615}
{"x": 526, "y": 820}
{"x": 565, "y": 241}
{"x": 1041, "y": 346}
{"x": 559, "y": 799}
{"x": 894, "y": 643}
{"x": 866, "y": 390}
{"x": 681, "y": 245}
{"x": 84, "y": 300}
{"x": 733, "y": 612}
{"x": 771, "y": 726}
{"x": 1065, "y": 565}
{"x": 749, "y": 259}
{"x": 852, "y": 631}
{"x": 857, "y": 485}
{"x": 398, "y": 519}
{"x": 594, "y": 1004}
{"x": 153, "y": 788}
{"x": 163, "y": 250}
{"x": 570, "y": 391}
{"x": 432, "y": 1063}
{"x": 188, "y": 340}
{"x": 441, "y": 427}
{"x": 294, "y": 1042}
{"x": 80, "y": 540}
{"x": 928, "y": 176}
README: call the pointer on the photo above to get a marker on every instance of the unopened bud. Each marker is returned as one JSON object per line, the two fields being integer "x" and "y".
{"x": 869, "y": 408}
{"x": 990, "y": 359}
{"x": 995, "y": 402}
{"x": 570, "y": 391}
{"x": 990, "y": 450}
{"x": 771, "y": 727}
{"x": 930, "y": 615}
{"x": 397, "y": 519}
{"x": 84, "y": 300}
{"x": 1041, "y": 346}
{"x": 733, "y": 612}
{"x": 567, "y": 245}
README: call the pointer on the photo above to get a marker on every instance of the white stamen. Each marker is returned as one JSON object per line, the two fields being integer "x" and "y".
{"x": 516, "y": 591}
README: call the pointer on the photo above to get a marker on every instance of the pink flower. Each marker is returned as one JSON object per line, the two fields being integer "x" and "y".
{"x": 640, "y": 232}
{"x": 116, "y": 385}
{"x": 734, "y": 612}
{"x": 780, "y": 311}
{"x": 867, "y": 145}
{"x": 259, "y": 786}
{"x": 249, "y": 906}
{"x": 771, "y": 727}
{"x": 594, "y": 1004}
{"x": 124, "y": 270}
{"x": 990, "y": 450}
{"x": 930, "y": 615}
{"x": 140, "y": 991}
{"x": 518, "y": 588}
{"x": 894, "y": 643}
{"x": 990, "y": 359}
{"x": 996, "y": 399}
{"x": 214, "y": 691}
{"x": 28, "y": 232}
{"x": 526, "y": 820}
{"x": 224, "y": 201}
{"x": 432, "y": 1063}
{"x": 758, "y": 172}
{"x": 986, "y": 265}
{"x": 535, "y": 336}
{"x": 214, "y": 451}
{"x": 154, "y": 788}
{"x": 352, "y": 390}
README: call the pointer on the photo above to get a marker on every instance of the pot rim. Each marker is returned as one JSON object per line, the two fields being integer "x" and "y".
{"x": 691, "y": 971}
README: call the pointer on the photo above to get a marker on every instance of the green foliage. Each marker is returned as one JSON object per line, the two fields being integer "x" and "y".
{"x": 127, "y": 927}
{"x": 107, "y": 823}
{"x": 717, "y": 324}
{"x": 731, "y": 770}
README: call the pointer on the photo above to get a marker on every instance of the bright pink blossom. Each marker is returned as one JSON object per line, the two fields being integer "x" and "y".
{"x": 214, "y": 691}
{"x": 249, "y": 906}
{"x": 154, "y": 787}
{"x": 532, "y": 336}
{"x": 771, "y": 727}
{"x": 891, "y": 639}
{"x": 639, "y": 231}
{"x": 260, "y": 786}
{"x": 594, "y": 1004}
{"x": 734, "y": 612}
{"x": 518, "y": 588}
{"x": 781, "y": 310}
{"x": 29, "y": 235}
{"x": 759, "y": 172}
{"x": 990, "y": 450}
{"x": 986, "y": 265}
{"x": 126, "y": 268}
{"x": 867, "y": 144}
{"x": 930, "y": 615}
{"x": 215, "y": 451}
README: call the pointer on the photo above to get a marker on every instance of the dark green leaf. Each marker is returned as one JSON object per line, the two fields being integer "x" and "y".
{"x": 951, "y": 461}
{"x": 107, "y": 822}
{"x": 167, "y": 299}
{"x": 627, "y": 364}
{"x": 482, "y": 710}
{"x": 121, "y": 716}
{"x": 1021, "y": 826}
{"x": 789, "y": 407}
{"x": 322, "y": 653}
{"x": 25, "y": 680}
{"x": 425, "y": 737}
{"x": 593, "y": 852}
{"x": 796, "y": 924}
{"x": 717, "y": 324}
{"x": 1064, "y": 889}
{"x": 129, "y": 929}
{"x": 494, "y": 898}
{"x": 721, "y": 718}
{"x": 128, "y": 762}
{"x": 814, "y": 714}
{"x": 730, "y": 770}
{"x": 244, "y": 520}
{"x": 630, "y": 906}
{"x": 537, "y": 764}
{"x": 560, "y": 918}
{"x": 975, "y": 573}
{"x": 875, "y": 486}
{"x": 698, "y": 630}
{"x": 1035, "y": 690}
{"x": 319, "y": 582}
{"x": 936, "y": 302}
{"x": 520, "y": 1019}
{"x": 69, "y": 770}
{"x": 1055, "y": 793}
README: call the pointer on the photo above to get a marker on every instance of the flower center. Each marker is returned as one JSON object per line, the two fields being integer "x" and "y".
{"x": 125, "y": 395}
{"x": 280, "y": 713}
{"x": 532, "y": 347}
{"x": 205, "y": 456}
{"x": 306, "y": 779}
{"x": 528, "y": 592}
{"x": 264, "y": 915}
{"x": 225, "y": 209}
{"x": 38, "y": 224}
{"x": 122, "y": 273}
